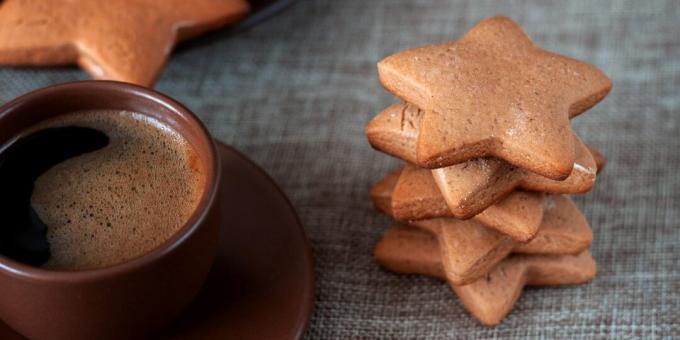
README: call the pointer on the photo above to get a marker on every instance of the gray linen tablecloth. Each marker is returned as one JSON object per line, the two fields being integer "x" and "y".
{"x": 295, "y": 93}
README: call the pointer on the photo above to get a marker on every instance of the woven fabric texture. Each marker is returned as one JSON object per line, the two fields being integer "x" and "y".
{"x": 295, "y": 93}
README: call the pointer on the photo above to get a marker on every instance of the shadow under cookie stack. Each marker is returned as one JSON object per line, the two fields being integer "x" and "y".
{"x": 484, "y": 129}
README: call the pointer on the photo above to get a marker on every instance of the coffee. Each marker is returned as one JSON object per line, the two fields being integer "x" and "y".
{"x": 109, "y": 186}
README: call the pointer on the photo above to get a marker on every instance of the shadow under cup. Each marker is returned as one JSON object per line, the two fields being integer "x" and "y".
{"x": 133, "y": 299}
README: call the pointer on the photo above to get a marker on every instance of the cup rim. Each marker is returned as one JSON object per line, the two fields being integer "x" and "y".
{"x": 20, "y": 270}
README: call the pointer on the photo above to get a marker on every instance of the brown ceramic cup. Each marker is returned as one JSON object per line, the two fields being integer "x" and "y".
{"x": 139, "y": 297}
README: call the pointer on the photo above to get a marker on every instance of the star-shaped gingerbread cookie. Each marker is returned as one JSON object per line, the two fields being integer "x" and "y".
{"x": 125, "y": 40}
{"x": 472, "y": 186}
{"x": 490, "y": 298}
{"x": 494, "y": 93}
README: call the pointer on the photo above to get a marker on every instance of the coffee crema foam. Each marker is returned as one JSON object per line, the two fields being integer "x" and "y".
{"x": 119, "y": 202}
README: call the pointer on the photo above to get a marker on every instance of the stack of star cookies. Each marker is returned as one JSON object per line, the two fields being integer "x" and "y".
{"x": 484, "y": 130}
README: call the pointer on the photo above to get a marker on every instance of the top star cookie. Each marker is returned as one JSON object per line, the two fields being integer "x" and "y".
{"x": 125, "y": 40}
{"x": 494, "y": 93}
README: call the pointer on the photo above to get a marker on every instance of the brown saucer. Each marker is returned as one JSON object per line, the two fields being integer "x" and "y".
{"x": 262, "y": 283}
